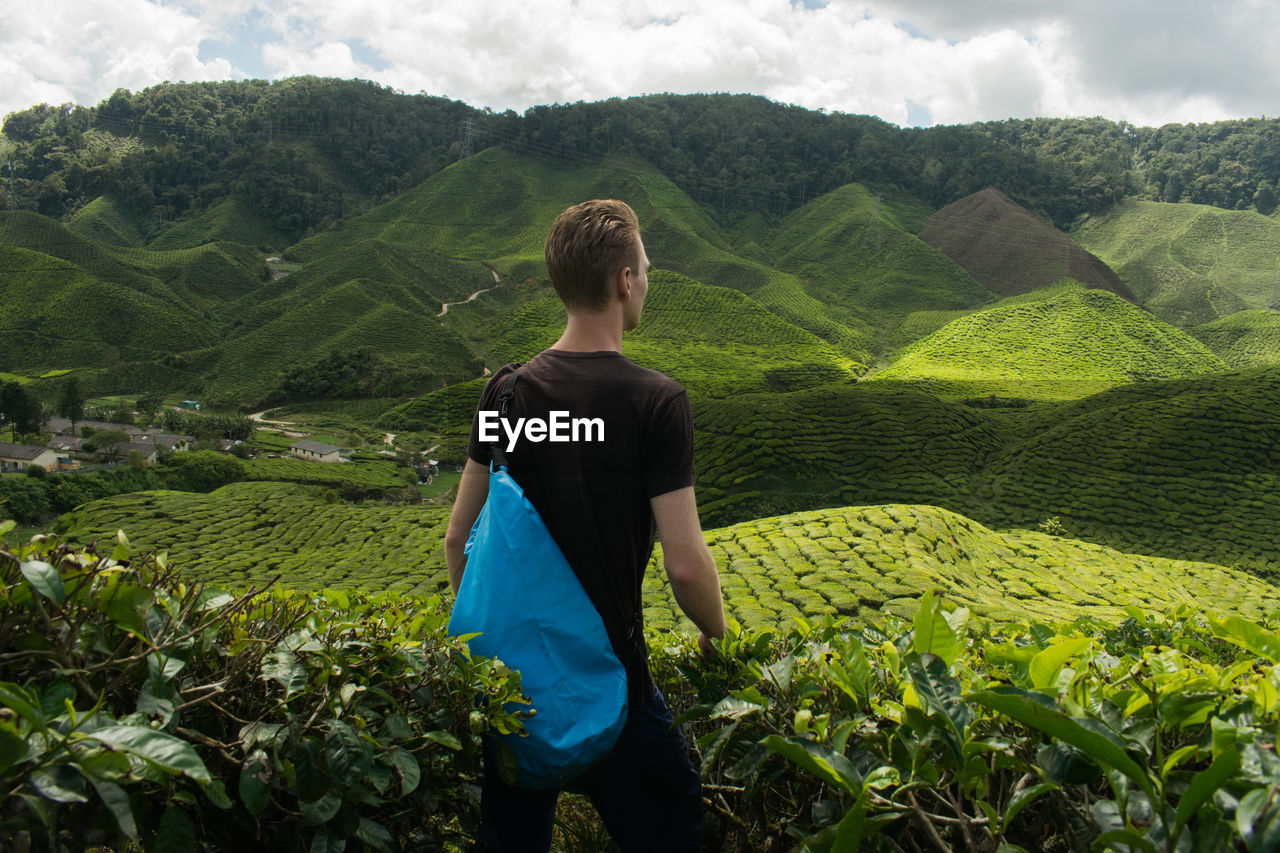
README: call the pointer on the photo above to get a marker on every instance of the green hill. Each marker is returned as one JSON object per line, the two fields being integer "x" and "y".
{"x": 1246, "y": 339}
{"x": 1064, "y": 342}
{"x": 1188, "y": 263}
{"x": 248, "y": 532}
{"x": 770, "y": 454}
{"x": 854, "y": 561}
{"x": 56, "y": 315}
{"x": 106, "y": 221}
{"x": 231, "y": 220}
{"x": 497, "y": 206}
{"x": 853, "y": 248}
{"x": 867, "y": 561}
{"x": 1183, "y": 469}
{"x": 1010, "y": 249}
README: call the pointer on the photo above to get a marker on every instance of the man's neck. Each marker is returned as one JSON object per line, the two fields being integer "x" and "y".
{"x": 591, "y": 333}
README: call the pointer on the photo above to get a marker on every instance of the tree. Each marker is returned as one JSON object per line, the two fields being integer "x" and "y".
{"x": 20, "y": 410}
{"x": 71, "y": 401}
{"x": 148, "y": 406}
{"x": 108, "y": 440}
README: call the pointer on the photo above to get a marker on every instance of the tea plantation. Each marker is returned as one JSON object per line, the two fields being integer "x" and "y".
{"x": 868, "y": 561}
{"x": 1188, "y": 263}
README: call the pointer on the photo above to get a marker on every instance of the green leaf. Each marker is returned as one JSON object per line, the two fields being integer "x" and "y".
{"x": 779, "y": 672}
{"x": 822, "y": 761}
{"x": 157, "y": 747}
{"x": 446, "y": 739}
{"x": 45, "y": 579}
{"x": 1107, "y": 840}
{"x": 322, "y": 810}
{"x": 1247, "y": 635}
{"x": 852, "y": 828}
{"x": 255, "y": 786}
{"x": 60, "y": 783}
{"x": 7, "y": 525}
{"x": 309, "y": 767}
{"x": 734, "y": 708}
{"x": 127, "y": 605}
{"x": 1021, "y": 800}
{"x": 13, "y": 746}
{"x": 940, "y": 692}
{"x": 1017, "y": 704}
{"x": 24, "y": 703}
{"x": 115, "y": 799}
{"x": 176, "y": 833}
{"x": 216, "y": 792}
{"x": 282, "y": 667}
{"x": 1204, "y": 785}
{"x": 323, "y": 842}
{"x": 348, "y": 756}
{"x": 121, "y": 551}
{"x": 1046, "y": 664}
{"x": 933, "y": 632}
{"x": 407, "y": 766}
{"x": 374, "y": 834}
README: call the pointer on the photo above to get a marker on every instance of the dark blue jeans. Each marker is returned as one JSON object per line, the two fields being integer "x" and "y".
{"x": 647, "y": 793}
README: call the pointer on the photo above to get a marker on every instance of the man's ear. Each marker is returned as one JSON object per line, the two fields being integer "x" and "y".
{"x": 622, "y": 283}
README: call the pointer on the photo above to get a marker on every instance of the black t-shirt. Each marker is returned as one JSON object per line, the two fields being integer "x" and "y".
{"x": 615, "y": 435}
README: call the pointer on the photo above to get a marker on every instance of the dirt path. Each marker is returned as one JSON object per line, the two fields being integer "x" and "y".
{"x": 444, "y": 308}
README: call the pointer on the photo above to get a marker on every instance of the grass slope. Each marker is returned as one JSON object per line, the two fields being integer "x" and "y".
{"x": 1188, "y": 263}
{"x": 866, "y": 561}
{"x": 1069, "y": 340}
{"x": 1246, "y": 339}
{"x": 1010, "y": 249}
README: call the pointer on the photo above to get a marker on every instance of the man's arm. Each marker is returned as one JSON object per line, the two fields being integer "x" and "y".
{"x": 473, "y": 490}
{"x": 689, "y": 564}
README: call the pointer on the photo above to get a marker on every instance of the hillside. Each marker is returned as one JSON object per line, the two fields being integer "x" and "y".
{"x": 1011, "y": 250}
{"x": 496, "y": 208}
{"x": 1245, "y": 339}
{"x": 1058, "y": 343}
{"x": 853, "y": 561}
{"x": 1183, "y": 469}
{"x": 867, "y": 561}
{"x": 854, "y": 248}
{"x": 1188, "y": 263}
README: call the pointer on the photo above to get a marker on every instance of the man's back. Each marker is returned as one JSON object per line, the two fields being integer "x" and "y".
{"x": 615, "y": 435}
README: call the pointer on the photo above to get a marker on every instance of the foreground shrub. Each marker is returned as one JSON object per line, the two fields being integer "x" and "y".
{"x": 136, "y": 706}
{"x": 937, "y": 735}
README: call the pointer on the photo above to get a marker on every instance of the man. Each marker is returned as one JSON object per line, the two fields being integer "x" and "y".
{"x": 602, "y": 496}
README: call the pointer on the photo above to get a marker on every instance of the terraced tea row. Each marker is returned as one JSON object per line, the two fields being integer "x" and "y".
{"x": 375, "y": 474}
{"x": 865, "y": 561}
{"x": 249, "y": 532}
{"x": 853, "y": 561}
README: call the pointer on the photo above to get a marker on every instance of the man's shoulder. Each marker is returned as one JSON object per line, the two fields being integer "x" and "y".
{"x": 602, "y": 367}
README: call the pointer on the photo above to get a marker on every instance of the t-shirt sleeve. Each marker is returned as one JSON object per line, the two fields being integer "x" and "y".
{"x": 478, "y": 450}
{"x": 668, "y": 451}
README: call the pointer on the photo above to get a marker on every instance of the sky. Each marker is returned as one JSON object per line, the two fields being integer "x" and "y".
{"x": 910, "y": 62}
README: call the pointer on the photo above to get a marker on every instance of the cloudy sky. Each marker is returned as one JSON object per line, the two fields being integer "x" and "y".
{"x": 911, "y": 62}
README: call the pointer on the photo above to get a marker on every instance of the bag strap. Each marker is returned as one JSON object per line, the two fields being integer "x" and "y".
{"x": 504, "y": 402}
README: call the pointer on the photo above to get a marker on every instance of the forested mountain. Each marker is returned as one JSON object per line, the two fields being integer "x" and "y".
{"x": 306, "y": 152}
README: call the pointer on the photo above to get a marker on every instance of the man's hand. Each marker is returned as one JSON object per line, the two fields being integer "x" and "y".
{"x": 704, "y": 646}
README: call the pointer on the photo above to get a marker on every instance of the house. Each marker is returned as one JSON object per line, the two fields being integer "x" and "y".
{"x": 315, "y": 451}
{"x": 145, "y": 449}
{"x": 16, "y": 458}
{"x": 67, "y": 449}
{"x": 168, "y": 441}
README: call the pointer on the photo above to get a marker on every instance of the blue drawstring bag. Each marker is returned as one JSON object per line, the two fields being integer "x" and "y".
{"x": 522, "y": 598}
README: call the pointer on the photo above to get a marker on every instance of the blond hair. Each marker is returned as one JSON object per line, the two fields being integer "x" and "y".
{"x": 586, "y": 247}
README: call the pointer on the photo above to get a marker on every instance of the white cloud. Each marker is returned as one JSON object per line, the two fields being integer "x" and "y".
{"x": 1145, "y": 61}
